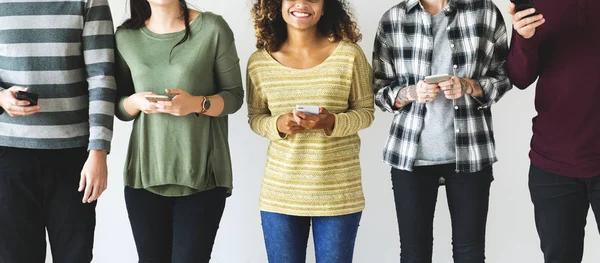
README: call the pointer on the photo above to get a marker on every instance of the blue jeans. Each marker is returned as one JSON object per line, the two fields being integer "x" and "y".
{"x": 286, "y": 237}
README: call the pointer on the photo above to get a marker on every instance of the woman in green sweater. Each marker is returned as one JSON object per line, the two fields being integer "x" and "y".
{"x": 178, "y": 167}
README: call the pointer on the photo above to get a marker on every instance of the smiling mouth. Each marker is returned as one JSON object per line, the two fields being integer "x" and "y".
{"x": 300, "y": 14}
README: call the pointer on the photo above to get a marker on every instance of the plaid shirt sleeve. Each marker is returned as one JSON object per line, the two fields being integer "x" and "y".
{"x": 386, "y": 84}
{"x": 494, "y": 80}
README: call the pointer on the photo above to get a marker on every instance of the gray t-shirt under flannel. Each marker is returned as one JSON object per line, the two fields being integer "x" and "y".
{"x": 437, "y": 142}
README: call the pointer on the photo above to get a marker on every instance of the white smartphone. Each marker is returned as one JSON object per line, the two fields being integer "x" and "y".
{"x": 155, "y": 98}
{"x": 314, "y": 110}
{"x": 437, "y": 78}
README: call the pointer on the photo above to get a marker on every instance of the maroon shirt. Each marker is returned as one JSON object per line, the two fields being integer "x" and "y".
{"x": 565, "y": 55}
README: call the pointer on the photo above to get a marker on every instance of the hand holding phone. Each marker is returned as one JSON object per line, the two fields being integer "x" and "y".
{"x": 16, "y": 101}
{"x": 526, "y": 18}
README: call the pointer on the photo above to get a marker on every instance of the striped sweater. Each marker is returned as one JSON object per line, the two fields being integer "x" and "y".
{"x": 63, "y": 51}
{"x": 311, "y": 173}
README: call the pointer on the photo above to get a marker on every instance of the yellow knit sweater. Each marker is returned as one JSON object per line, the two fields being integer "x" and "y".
{"x": 311, "y": 173}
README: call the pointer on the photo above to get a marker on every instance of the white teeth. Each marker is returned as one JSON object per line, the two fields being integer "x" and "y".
{"x": 300, "y": 14}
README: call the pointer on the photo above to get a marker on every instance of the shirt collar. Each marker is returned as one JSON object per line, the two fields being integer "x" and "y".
{"x": 412, "y": 4}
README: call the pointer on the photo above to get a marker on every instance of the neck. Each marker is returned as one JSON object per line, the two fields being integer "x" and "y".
{"x": 434, "y": 6}
{"x": 165, "y": 18}
{"x": 302, "y": 39}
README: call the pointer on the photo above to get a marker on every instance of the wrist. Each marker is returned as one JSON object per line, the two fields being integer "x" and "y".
{"x": 130, "y": 103}
{"x": 98, "y": 153}
{"x": 330, "y": 122}
{"x": 410, "y": 90}
{"x": 198, "y": 107}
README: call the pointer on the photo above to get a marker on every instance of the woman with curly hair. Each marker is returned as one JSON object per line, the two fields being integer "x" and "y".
{"x": 308, "y": 57}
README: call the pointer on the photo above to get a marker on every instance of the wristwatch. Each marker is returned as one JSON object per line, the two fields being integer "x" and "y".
{"x": 205, "y": 105}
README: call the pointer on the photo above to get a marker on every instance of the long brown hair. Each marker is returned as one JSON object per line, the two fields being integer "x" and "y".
{"x": 141, "y": 11}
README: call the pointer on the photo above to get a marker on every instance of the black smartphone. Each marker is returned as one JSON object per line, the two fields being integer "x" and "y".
{"x": 28, "y": 96}
{"x": 521, "y": 5}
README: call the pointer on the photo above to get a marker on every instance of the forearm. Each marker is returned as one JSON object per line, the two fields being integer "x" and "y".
{"x": 406, "y": 95}
{"x": 265, "y": 125}
{"x": 471, "y": 87}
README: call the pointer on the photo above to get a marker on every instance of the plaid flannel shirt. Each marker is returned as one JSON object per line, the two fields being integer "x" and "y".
{"x": 402, "y": 56}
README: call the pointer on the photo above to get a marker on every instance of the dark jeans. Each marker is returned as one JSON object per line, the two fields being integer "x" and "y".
{"x": 415, "y": 194}
{"x": 38, "y": 192}
{"x": 561, "y": 207}
{"x": 175, "y": 229}
{"x": 286, "y": 237}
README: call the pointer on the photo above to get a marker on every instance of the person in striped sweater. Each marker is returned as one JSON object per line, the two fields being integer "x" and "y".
{"x": 53, "y": 154}
{"x": 308, "y": 55}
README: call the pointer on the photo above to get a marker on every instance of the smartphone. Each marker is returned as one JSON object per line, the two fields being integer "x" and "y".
{"x": 28, "y": 96}
{"x": 521, "y": 5}
{"x": 437, "y": 78}
{"x": 314, "y": 110}
{"x": 155, "y": 98}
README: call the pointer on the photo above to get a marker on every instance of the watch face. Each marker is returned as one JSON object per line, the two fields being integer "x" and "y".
{"x": 206, "y": 104}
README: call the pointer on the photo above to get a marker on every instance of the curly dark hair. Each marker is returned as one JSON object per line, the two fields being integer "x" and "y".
{"x": 338, "y": 23}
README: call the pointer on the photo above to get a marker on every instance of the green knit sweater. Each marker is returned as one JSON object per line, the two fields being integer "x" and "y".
{"x": 179, "y": 156}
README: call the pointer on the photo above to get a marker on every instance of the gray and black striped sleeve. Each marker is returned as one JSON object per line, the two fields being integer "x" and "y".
{"x": 98, "y": 52}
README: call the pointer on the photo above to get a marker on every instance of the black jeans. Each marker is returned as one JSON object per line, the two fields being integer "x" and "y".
{"x": 38, "y": 192}
{"x": 174, "y": 229}
{"x": 415, "y": 194}
{"x": 561, "y": 207}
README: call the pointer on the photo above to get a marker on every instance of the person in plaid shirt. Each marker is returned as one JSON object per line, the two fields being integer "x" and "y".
{"x": 441, "y": 130}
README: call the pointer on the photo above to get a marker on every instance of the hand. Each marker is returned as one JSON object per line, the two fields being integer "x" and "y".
{"x": 455, "y": 88}
{"x": 287, "y": 125}
{"x": 15, "y": 107}
{"x": 324, "y": 120}
{"x": 182, "y": 104}
{"x": 525, "y": 26}
{"x": 140, "y": 103}
{"x": 93, "y": 176}
{"x": 425, "y": 92}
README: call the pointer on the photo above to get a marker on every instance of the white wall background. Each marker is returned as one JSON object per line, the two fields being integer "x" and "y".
{"x": 511, "y": 237}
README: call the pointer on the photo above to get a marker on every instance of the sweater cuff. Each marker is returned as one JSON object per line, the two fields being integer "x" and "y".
{"x": 530, "y": 44}
{"x": 274, "y": 133}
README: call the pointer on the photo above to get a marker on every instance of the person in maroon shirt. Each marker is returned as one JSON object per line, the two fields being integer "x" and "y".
{"x": 561, "y": 46}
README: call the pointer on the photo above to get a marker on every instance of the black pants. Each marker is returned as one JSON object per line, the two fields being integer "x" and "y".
{"x": 561, "y": 207}
{"x": 38, "y": 191}
{"x": 415, "y": 194}
{"x": 174, "y": 229}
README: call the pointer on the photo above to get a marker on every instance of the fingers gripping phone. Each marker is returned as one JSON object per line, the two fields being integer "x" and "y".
{"x": 28, "y": 96}
{"x": 521, "y": 5}
{"x": 156, "y": 98}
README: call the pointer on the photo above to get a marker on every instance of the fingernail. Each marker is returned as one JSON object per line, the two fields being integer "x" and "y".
{"x": 532, "y": 11}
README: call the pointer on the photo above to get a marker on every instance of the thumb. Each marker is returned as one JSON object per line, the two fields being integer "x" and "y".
{"x": 173, "y": 91}
{"x": 511, "y": 9}
{"x": 19, "y": 88}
